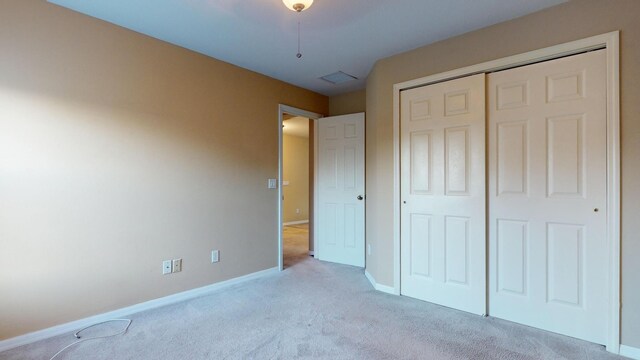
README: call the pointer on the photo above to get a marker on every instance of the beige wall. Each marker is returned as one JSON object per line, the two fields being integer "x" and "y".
{"x": 349, "y": 103}
{"x": 571, "y": 21}
{"x": 118, "y": 151}
{"x": 295, "y": 159}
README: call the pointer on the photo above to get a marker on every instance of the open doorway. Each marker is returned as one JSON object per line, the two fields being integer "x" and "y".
{"x": 296, "y": 185}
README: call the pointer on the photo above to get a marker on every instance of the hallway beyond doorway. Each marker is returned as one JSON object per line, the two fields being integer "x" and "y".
{"x": 296, "y": 244}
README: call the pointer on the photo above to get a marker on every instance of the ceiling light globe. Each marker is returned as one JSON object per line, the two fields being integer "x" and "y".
{"x": 298, "y": 5}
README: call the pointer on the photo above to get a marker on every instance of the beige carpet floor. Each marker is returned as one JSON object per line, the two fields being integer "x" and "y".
{"x": 313, "y": 310}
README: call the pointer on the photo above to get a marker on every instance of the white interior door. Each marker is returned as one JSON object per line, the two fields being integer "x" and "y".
{"x": 547, "y": 195}
{"x": 443, "y": 239}
{"x": 341, "y": 189}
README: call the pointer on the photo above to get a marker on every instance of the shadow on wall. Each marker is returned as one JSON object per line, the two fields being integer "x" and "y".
{"x": 118, "y": 151}
{"x": 96, "y": 197}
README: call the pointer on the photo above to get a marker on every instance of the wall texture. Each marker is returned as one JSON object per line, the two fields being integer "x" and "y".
{"x": 118, "y": 151}
{"x": 349, "y": 103}
{"x": 571, "y": 21}
{"x": 295, "y": 150}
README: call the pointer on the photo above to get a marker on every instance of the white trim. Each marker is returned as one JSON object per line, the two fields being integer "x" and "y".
{"x": 610, "y": 42}
{"x": 379, "y": 287}
{"x": 370, "y": 278}
{"x": 630, "y": 352}
{"x": 295, "y": 222}
{"x": 129, "y": 310}
{"x": 311, "y": 116}
{"x": 386, "y": 289}
{"x": 396, "y": 190}
{"x": 311, "y": 253}
{"x": 613, "y": 188}
{"x": 316, "y": 181}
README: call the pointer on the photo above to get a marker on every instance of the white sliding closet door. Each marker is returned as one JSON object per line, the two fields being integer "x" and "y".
{"x": 547, "y": 195}
{"x": 443, "y": 239}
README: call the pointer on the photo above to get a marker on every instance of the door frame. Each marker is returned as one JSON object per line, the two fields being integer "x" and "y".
{"x": 312, "y": 117}
{"x": 611, "y": 43}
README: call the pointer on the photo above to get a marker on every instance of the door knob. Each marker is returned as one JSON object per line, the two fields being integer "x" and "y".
{"x": 360, "y": 197}
{"x": 596, "y": 210}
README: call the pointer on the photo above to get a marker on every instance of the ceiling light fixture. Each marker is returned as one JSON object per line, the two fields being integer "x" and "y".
{"x": 297, "y": 5}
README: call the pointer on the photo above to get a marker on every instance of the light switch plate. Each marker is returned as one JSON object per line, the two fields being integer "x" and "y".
{"x": 177, "y": 265}
{"x": 167, "y": 267}
{"x": 272, "y": 183}
{"x": 215, "y": 256}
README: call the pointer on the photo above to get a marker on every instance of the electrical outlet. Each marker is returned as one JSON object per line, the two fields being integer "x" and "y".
{"x": 369, "y": 249}
{"x": 177, "y": 265}
{"x": 167, "y": 267}
{"x": 297, "y": 211}
{"x": 215, "y": 256}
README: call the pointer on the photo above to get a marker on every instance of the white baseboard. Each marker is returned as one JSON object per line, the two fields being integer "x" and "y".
{"x": 630, "y": 352}
{"x": 383, "y": 288}
{"x": 387, "y": 289}
{"x": 370, "y": 278}
{"x": 295, "y": 222}
{"x": 311, "y": 253}
{"x": 152, "y": 304}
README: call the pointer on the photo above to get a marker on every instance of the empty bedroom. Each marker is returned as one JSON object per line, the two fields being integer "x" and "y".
{"x": 319, "y": 179}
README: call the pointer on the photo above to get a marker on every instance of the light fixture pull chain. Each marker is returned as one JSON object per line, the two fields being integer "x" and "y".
{"x": 299, "y": 54}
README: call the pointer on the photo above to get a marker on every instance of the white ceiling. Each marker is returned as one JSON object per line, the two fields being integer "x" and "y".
{"x": 346, "y": 35}
{"x": 296, "y": 126}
